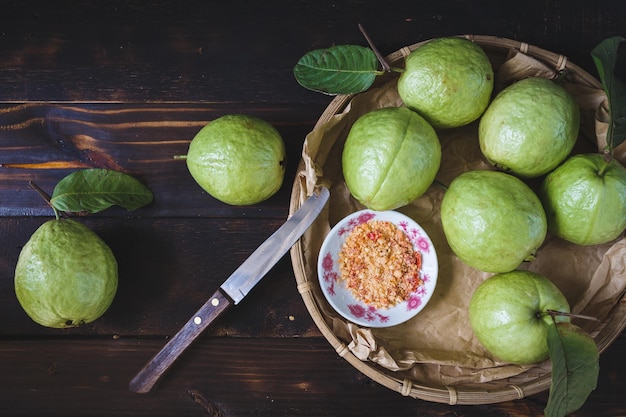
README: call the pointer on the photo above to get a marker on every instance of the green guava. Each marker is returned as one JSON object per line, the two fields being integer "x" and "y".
{"x": 530, "y": 127}
{"x": 585, "y": 199}
{"x": 492, "y": 220}
{"x": 390, "y": 158}
{"x": 448, "y": 80}
{"x": 509, "y": 314}
{"x": 238, "y": 159}
{"x": 65, "y": 275}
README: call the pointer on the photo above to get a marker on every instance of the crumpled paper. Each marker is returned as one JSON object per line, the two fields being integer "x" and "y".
{"x": 438, "y": 346}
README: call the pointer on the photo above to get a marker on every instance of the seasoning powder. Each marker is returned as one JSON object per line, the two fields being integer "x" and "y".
{"x": 379, "y": 264}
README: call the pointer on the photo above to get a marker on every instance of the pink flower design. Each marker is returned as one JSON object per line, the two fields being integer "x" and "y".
{"x": 368, "y": 313}
{"x": 354, "y": 222}
{"x": 327, "y": 262}
{"x": 365, "y": 217}
{"x": 383, "y": 319}
{"x": 330, "y": 276}
{"x": 423, "y": 244}
{"x": 356, "y": 310}
{"x": 371, "y": 313}
{"x": 412, "y": 234}
{"x": 414, "y": 302}
{"x": 331, "y": 288}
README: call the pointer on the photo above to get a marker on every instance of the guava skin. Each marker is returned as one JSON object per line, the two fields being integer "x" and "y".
{"x": 507, "y": 315}
{"x": 238, "y": 159}
{"x": 492, "y": 220}
{"x": 530, "y": 127}
{"x": 448, "y": 81}
{"x": 391, "y": 156}
{"x": 582, "y": 206}
{"x": 65, "y": 275}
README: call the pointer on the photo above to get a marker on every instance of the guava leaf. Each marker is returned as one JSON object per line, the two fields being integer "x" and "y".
{"x": 341, "y": 69}
{"x": 575, "y": 367}
{"x": 93, "y": 190}
{"x": 605, "y": 56}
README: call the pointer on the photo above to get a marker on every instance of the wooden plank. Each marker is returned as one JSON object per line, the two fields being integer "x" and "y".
{"x": 233, "y": 377}
{"x": 167, "y": 269}
{"x": 245, "y": 51}
{"x": 43, "y": 142}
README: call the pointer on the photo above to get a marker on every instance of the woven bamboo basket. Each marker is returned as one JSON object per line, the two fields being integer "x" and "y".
{"x": 533, "y": 380}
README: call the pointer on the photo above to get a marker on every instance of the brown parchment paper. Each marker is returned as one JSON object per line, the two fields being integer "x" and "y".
{"x": 438, "y": 346}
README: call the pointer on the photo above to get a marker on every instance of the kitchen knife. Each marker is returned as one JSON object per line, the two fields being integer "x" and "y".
{"x": 233, "y": 290}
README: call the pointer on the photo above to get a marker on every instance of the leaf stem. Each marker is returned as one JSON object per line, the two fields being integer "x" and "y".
{"x": 47, "y": 199}
{"x": 604, "y": 167}
{"x": 385, "y": 65}
{"x": 41, "y": 192}
{"x": 555, "y": 313}
{"x": 608, "y": 155}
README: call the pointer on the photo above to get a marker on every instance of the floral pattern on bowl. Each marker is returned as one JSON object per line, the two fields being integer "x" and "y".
{"x": 340, "y": 297}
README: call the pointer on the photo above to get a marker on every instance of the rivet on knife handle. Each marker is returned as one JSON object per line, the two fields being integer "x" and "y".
{"x": 150, "y": 374}
{"x": 233, "y": 289}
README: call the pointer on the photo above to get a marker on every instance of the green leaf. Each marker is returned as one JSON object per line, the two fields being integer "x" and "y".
{"x": 604, "y": 56}
{"x": 575, "y": 367}
{"x": 93, "y": 190}
{"x": 342, "y": 69}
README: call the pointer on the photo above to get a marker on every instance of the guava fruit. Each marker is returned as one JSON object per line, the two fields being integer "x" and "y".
{"x": 492, "y": 221}
{"x": 585, "y": 199}
{"x": 447, "y": 80}
{"x": 509, "y": 315}
{"x": 390, "y": 158}
{"x": 65, "y": 275}
{"x": 530, "y": 127}
{"x": 238, "y": 159}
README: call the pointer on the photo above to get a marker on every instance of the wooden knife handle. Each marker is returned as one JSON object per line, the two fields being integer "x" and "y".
{"x": 148, "y": 376}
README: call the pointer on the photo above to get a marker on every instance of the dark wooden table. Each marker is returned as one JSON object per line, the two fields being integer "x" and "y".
{"x": 126, "y": 85}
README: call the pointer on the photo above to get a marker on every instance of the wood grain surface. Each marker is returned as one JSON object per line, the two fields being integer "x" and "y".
{"x": 126, "y": 85}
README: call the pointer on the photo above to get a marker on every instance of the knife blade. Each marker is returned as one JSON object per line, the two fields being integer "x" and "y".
{"x": 233, "y": 290}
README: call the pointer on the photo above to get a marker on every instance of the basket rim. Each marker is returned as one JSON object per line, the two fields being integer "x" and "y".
{"x": 458, "y": 394}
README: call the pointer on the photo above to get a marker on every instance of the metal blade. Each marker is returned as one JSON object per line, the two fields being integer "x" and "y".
{"x": 269, "y": 253}
{"x": 236, "y": 287}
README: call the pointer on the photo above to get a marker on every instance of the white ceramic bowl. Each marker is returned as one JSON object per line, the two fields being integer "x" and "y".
{"x": 342, "y": 299}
